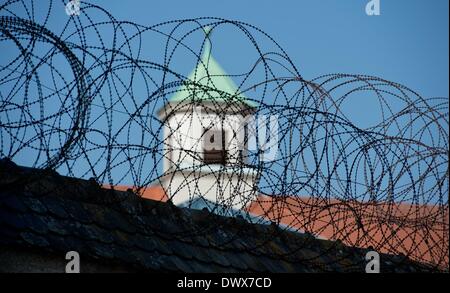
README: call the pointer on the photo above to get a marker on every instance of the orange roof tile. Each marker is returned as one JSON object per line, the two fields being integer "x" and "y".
{"x": 420, "y": 232}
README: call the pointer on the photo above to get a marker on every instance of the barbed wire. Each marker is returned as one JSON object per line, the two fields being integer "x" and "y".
{"x": 93, "y": 98}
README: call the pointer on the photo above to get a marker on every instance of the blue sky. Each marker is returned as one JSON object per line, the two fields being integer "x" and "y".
{"x": 408, "y": 43}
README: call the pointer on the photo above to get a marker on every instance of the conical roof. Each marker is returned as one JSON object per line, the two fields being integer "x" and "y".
{"x": 208, "y": 81}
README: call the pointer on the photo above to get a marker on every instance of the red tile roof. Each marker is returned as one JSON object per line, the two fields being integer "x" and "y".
{"x": 418, "y": 231}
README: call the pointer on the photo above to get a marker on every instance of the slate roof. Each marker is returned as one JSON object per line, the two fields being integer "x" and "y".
{"x": 333, "y": 219}
{"x": 154, "y": 192}
{"x": 40, "y": 209}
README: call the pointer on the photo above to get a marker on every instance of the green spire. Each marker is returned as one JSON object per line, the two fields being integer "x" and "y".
{"x": 218, "y": 79}
{"x": 207, "y": 50}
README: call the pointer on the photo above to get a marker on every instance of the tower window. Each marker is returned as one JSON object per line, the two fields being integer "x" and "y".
{"x": 214, "y": 150}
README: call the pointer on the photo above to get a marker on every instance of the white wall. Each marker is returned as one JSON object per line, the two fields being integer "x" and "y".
{"x": 185, "y": 179}
{"x": 233, "y": 189}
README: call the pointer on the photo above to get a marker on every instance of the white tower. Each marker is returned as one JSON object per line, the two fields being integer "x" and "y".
{"x": 204, "y": 140}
